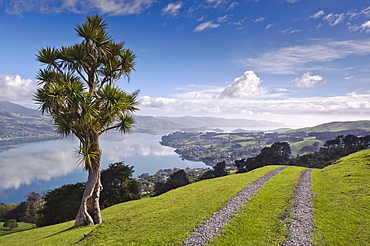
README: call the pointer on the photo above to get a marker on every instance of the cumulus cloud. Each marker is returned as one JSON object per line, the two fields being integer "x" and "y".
{"x": 15, "y": 88}
{"x": 205, "y": 25}
{"x": 159, "y": 102}
{"x": 307, "y": 80}
{"x": 289, "y": 60}
{"x": 172, "y": 8}
{"x": 300, "y": 111}
{"x": 318, "y": 14}
{"x": 247, "y": 85}
{"x": 111, "y": 7}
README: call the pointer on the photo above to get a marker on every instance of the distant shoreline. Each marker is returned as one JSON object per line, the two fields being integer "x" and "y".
{"x": 6, "y": 143}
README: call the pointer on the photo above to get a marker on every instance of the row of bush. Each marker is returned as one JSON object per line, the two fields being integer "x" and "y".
{"x": 278, "y": 153}
{"x": 179, "y": 178}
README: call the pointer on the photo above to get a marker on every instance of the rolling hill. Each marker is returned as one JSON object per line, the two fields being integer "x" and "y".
{"x": 341, "y": 211}
{"x": 18, "y": 122}
{"x": 189, "y": 123}
{"x": 336, "y": 127}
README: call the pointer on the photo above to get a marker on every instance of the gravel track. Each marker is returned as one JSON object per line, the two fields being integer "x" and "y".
{"x": 302, "y": 226}
{"x": 211, "y": 227}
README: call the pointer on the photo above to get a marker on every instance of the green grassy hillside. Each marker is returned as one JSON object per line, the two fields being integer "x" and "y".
{"x": 341, "y": 206}
{"x": 336, "y": 126}
{"x": 342, "y": 201}
{"x": 162, "y": 220}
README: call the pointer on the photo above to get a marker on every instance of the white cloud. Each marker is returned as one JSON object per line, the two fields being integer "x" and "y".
{"x": 15, "y": 88}
{"x": 159, "y": 102}
{"x": 215, "y": 2}
{"x": 269, "y": 26}
{"x": 291, "y": 111}
{"x": 222, "y": 18}
{"x": 318, "y": 14}
{"x": 364, "y": 27}
{"x": 259, "y": 19}
{"x": 172, "y": 8}
{"x": 290, "y": 31}
{"x": 289, "y": 60}
{"x": 334, "y": 19}
{"x": 247, "y": 85}
{"x": 205, "y": 25}
{"x": 307, "y": 80}
{"x": 196, "y": 94}
{"x": 232, "y": 5}
{"x": 350, "y": 18}
{"x": 111, "y": 7}
{"x": 347, "y": 76}
{"x": 194, "y": 91}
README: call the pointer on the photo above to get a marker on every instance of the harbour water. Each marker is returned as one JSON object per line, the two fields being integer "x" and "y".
{"x": 43, "y": 165}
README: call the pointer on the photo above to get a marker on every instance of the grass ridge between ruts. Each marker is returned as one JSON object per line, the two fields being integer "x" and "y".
{"x": 263, "y": 219}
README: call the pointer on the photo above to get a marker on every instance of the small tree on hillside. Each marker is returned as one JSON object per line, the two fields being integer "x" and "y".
{"x": 12, "y": 223}
{"x": 219, "y": 170}
{"x": 177, "y": 179}
{"x": 119, "y": 186}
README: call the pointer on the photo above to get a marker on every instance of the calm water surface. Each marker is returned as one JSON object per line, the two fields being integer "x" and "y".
{"x": 43, "y": 165}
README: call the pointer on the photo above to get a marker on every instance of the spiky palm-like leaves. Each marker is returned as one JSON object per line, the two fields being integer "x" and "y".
{"x": 78, "y": 90}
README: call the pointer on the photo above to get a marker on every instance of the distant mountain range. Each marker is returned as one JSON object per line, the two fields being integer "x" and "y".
{"x": 189, "y": 123}
{"x": 17, "y": 121}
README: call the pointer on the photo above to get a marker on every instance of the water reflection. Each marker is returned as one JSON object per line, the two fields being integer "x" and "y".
{"x": 46, "y": 165}
{"x": 26, "y": 163}
{"x": 116, "y": 147}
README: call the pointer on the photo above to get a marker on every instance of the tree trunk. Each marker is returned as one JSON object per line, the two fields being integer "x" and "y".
{"x": 89, "y": 212}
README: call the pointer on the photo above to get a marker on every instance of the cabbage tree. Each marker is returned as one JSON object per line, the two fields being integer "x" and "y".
{"x": 78, "y": 88}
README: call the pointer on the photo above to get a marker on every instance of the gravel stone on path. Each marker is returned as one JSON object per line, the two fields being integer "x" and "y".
{"x": 302, "y": 225}
{"x": 211, "y": 227}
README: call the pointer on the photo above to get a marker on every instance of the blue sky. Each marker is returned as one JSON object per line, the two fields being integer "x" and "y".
{"x": 300, "y": 62}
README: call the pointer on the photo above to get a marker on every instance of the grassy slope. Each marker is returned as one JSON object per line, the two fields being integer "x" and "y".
{"x": 21, "y": 227}
{"x": 262, "y": 220}
{"x": 162, "y": 220}
{"x": 342, "y": 201}
{"x": 341, "y": 204}
{"x": 336, "y": 126}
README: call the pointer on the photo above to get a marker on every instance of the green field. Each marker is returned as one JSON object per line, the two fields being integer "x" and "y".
{"x": 341, "y": 211}
{"x": 342, "y": 201}
{"x": 21, "y": 227}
